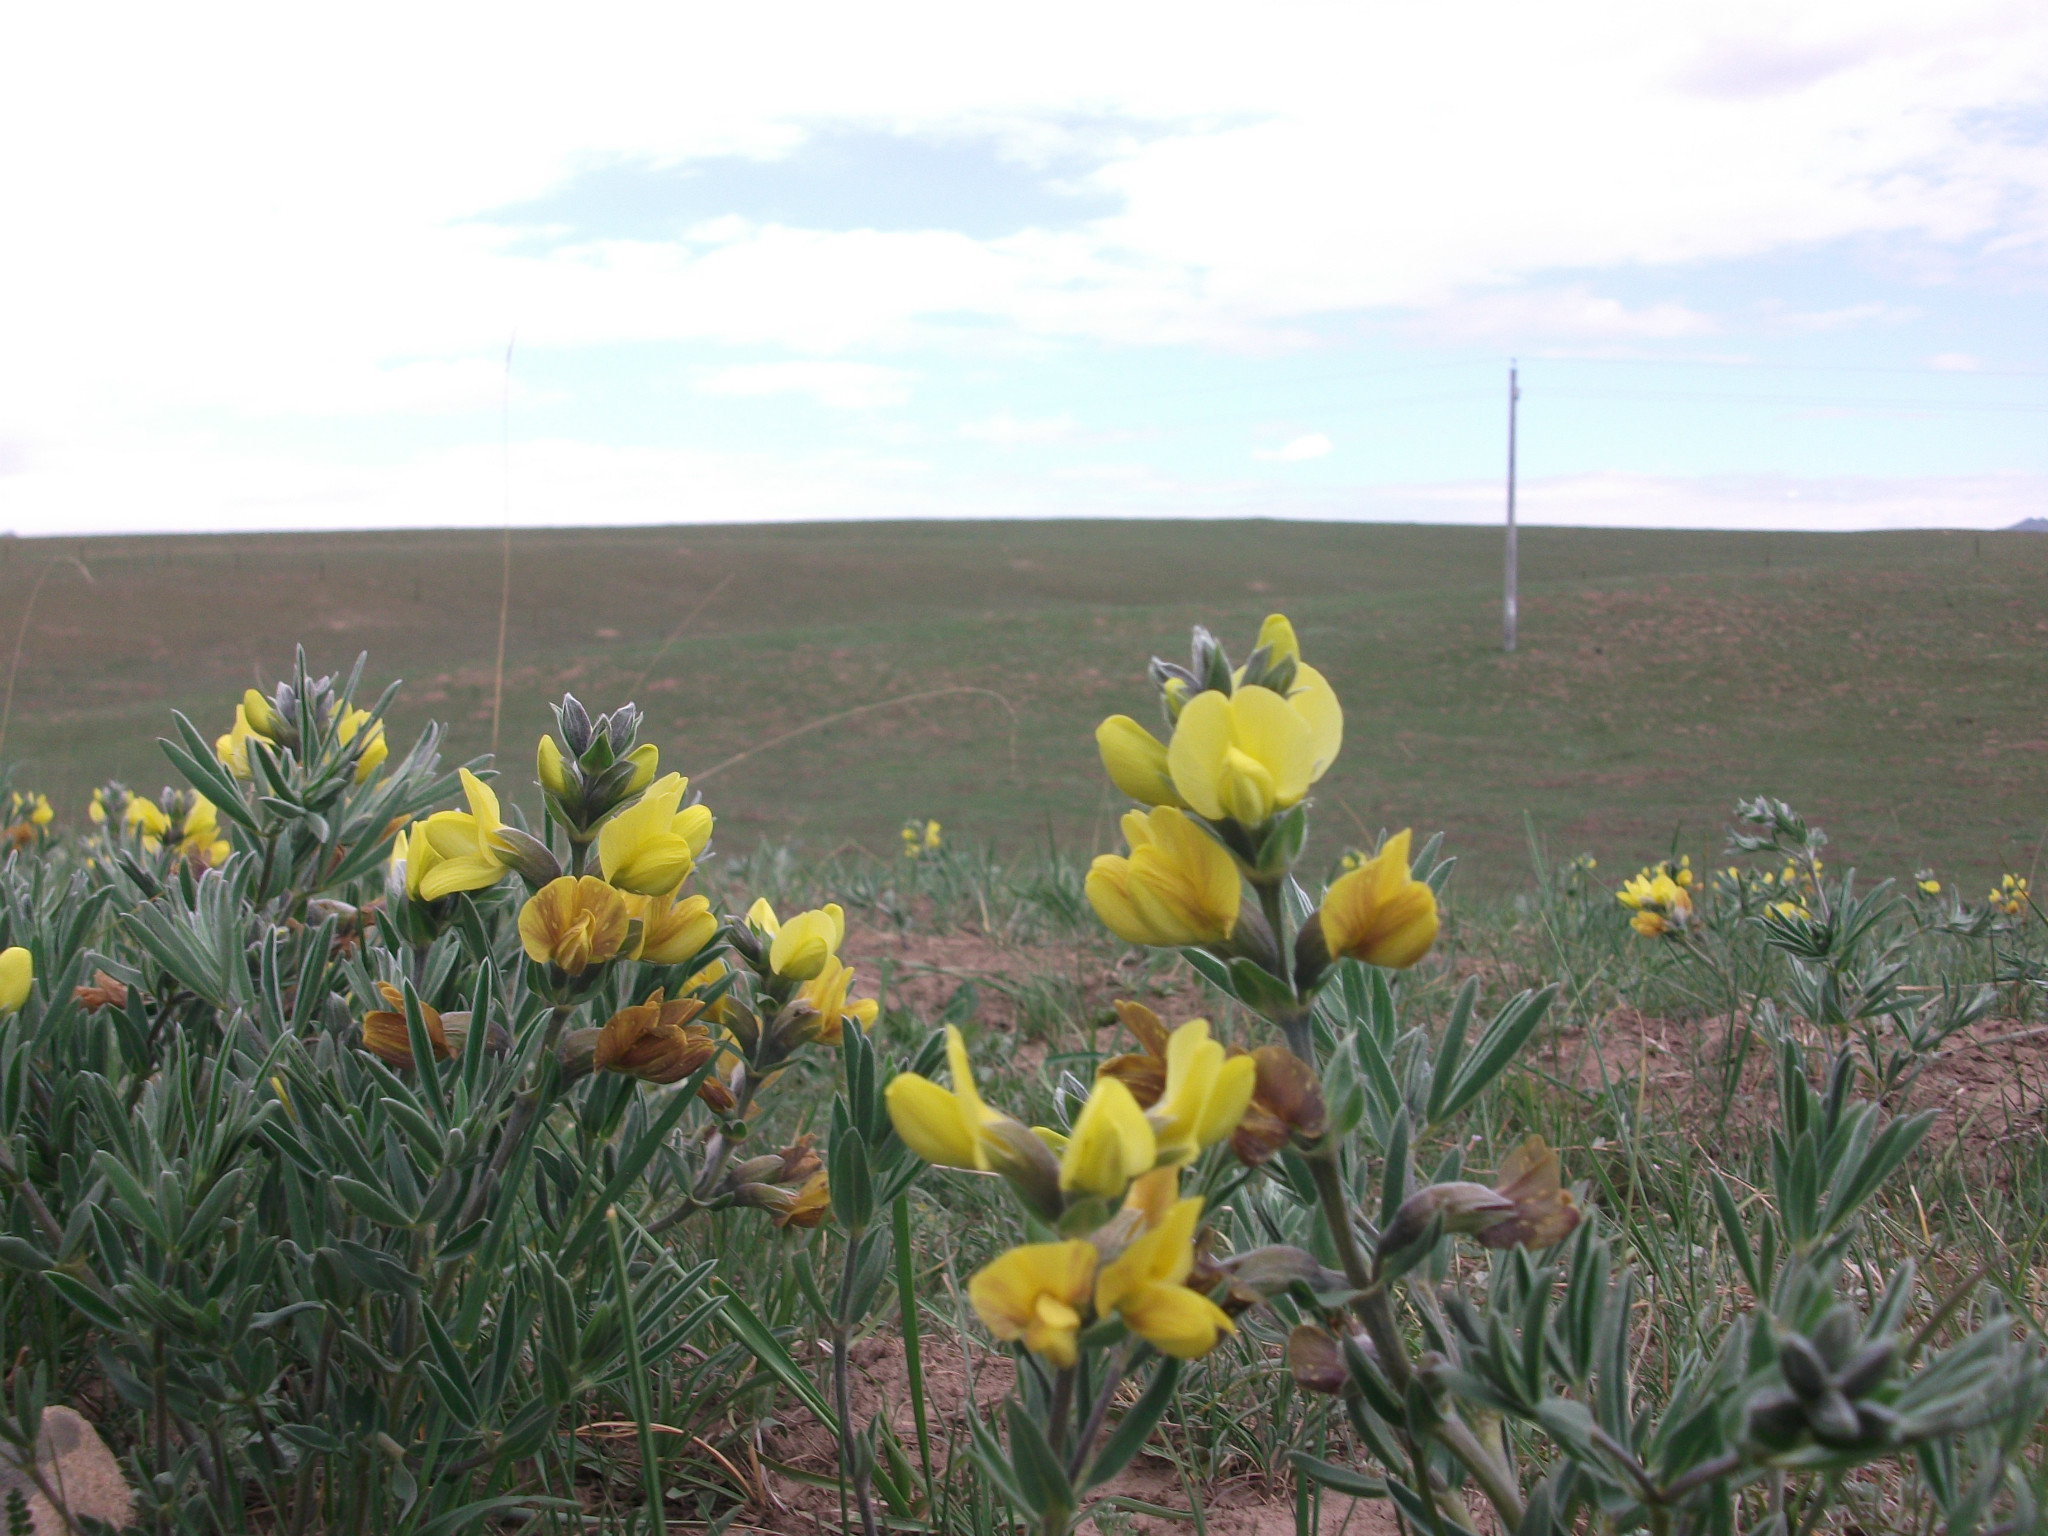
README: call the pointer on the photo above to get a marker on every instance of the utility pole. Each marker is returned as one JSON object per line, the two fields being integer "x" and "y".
{"x": 1507, "y": 615}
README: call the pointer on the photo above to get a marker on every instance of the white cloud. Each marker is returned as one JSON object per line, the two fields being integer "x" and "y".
{"x": 1007, "y": 431}
{"x": 1311, "y": 445}
{"x": 1574, "y": 313}
{"x": 1955, "y": 362}
{"x": 839, "y": 386}
{"x": 250, "y": 212}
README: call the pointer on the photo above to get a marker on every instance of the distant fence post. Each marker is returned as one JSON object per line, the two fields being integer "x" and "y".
{"x": 1507, "y": 616}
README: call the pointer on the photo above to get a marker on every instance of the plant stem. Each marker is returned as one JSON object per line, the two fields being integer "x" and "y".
{"x": 850, "y": 1466}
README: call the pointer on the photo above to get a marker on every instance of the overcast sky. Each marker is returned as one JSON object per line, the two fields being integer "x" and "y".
{"x": 1763, "y": 265}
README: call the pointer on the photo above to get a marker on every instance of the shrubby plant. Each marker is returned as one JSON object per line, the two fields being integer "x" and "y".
{"x": 1504, "y": 1394}
{"x": 353, "y": 1126}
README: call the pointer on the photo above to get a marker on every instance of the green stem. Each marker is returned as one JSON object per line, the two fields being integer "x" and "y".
{"x": 636, "y": 1376}
{"x": 850, "y": 1468}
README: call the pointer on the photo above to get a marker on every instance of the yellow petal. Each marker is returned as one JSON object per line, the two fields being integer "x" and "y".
{"x": 1277, "y": 636}
{"x": 1175, "y": 1320}
{"x": 931, "y": 1122}
{"x": 1195, "y": 756}
{"x": 1136, "y": 761}
{"x": 1316, "y": 702}
{"x": 17, "y": 974}
{"x": 1112, "y": 1143}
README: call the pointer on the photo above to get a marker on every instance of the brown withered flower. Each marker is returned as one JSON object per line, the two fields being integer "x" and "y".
{"x": 1526, "y": 1207}
{"x": 811, "y": 1204}
{"x": 1288, "y": 1099}
{"x": 386, "y": 1037}
{"x": 105, "y": 992}
{"x": 655, "y": 1040}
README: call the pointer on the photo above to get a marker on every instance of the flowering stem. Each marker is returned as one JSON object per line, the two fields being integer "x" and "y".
{"x": 1373, "y": 1310}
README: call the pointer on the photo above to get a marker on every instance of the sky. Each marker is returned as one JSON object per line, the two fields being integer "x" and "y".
{"x": 294, "y": 267}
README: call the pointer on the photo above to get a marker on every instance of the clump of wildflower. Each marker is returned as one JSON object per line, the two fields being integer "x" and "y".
{"x": 1925, "y": 883}
{"x": 921, "y": 838}
{"x": 28, "y": 818}
{"x": 2008, "y": 898}
{"x": 1661, "y": 899}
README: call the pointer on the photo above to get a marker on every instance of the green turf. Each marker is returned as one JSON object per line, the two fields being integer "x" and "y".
{"x": 1890, "y": 684}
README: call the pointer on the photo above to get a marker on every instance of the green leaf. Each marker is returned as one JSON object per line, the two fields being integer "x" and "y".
{"x": 762, "y": 1344}
{"x": 1136, "y": 1426}
{"x": 1040, "y": 1477}
{"x": 1504, "y": 1038}
{"x": 371, "y": 1203}
{"x": 1347, "y": 1480}
{"x": 95, "y": 1307}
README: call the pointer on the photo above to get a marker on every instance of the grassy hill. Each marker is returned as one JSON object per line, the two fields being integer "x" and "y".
{"x": 1890, "y": 684}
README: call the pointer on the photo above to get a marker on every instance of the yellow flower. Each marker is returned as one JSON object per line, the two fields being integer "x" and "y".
{"x": 1311, "y": 696}
{"x": 1241, "y": 756}
{"x": 946, "y": 1129}
{"x": 1661, "y": 905}
{"x": 43, "y": 815}
{"x": 199, "y": 835}
{"x": 672, "y": 931}
{"x": 96, "y": 809}
{"x": 1035, "y": 1294}
{"x": 651, "y": 847}
{"x": 147, "y": 819}
{"x": 800, "y": 948}
{"x": 17, "y": 972}
{"x": 233, "y": 748}
{"x": 467, "y": 856}
{"x": 1379, "y": 913}
{"x": 826, "y": 993}
{"x": 1143, "y": 1286}
{"x": 1136, "y": 761}
{"x": 1177, "y": 887}
{"x": 375, "y": 749}
{"x": 1112, "y": 1143}
{"x": 810, "y": 1205}
{"x": 573, "y": 923}
{"x": 262, "y": 717}
{"x": 1929, "y": 886}
{"x": 547, "y": 767}
{"x": 1205, "y": 1096}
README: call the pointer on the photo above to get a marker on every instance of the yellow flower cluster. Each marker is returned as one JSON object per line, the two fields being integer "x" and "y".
{"x": 1239, "y": 755}
{"x": 28, "y": 818}
{"x": 257, "y": 717}
{"x": 2008, "y": 898}
{"x": 1134, "y": 1264}
{"x": 806, "y": 950}
{"x": 187, "y": 821}
{"x": 921, "y": 838}
{"x": 1661, "y": 899}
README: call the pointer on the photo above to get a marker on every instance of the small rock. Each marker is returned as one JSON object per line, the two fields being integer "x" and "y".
{"x": 79, "y": 1468}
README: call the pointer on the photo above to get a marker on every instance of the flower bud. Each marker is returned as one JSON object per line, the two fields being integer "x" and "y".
{"x": 552, "y": 771}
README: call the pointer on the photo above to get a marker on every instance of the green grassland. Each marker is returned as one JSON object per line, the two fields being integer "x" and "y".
{"x": 1892, "y": 685}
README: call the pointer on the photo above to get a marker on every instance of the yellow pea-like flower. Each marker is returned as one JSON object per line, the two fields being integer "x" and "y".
{"x": 17, "y": 974}
{"x": 147, "y": 820}
{"x": 1379, "y": 913}
{"x": 573, "y": 923}
{"x": 1178, "y": 886}
{"x": 233, "y": 749}
{"x": 262, "y": 716}
{"x": 646, "y": 761}
{"x": 548, "y": 769}
{"x": 945, "y": 1128}
{"x": 1136, "y": 761}
{"x": 1143, "y": 1286}
{"x": 375, "y": 748}
{"x": 826, "y": 992}
{"x": 651, "y": 846}
{"x": 199, "y": 834}
{"x": 466, "y": 856}
{"x": 1241, "y": 756}
{"x": 1206, "y": 1093}
{"x": 1035, "y": 1295}
{"x": 1112, "y": 1143}
{"x": 1311, "y": 696}
{"x": 672, "y": 931}
{"x": 800, "y": 948}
